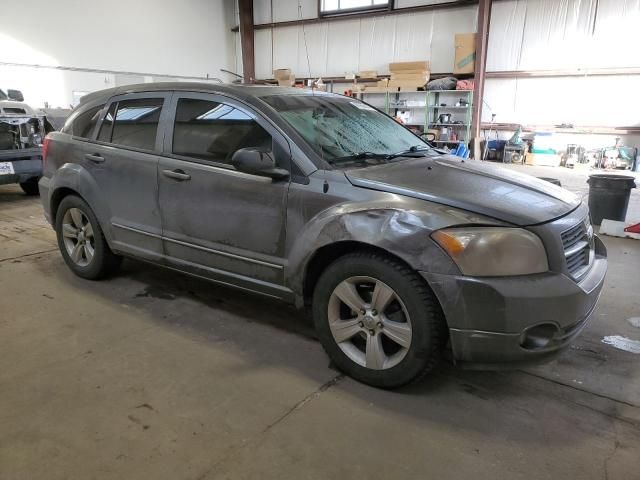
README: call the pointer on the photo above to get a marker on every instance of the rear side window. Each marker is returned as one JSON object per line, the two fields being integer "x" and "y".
{"x": 214, "y": 131}
{"x": 132, "y": 123}
{"x": 85, "y": 123}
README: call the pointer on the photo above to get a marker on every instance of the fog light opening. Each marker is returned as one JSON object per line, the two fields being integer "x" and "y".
{"x": 538, "y": 337}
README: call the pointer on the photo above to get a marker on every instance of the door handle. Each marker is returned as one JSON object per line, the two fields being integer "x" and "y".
{"x": 177, "y": 174}
{"x": 94, "y": 157}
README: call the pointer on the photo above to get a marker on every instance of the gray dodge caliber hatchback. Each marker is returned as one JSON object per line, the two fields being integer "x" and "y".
{"x": 400, "y": 251}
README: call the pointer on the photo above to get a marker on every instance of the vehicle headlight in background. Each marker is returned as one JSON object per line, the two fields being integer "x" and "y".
{"x": 493, "y": 251}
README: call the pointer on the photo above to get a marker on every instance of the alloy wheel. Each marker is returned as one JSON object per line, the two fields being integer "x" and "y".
{"x": 369, "y": 322}
{"x": 78, "y": 237}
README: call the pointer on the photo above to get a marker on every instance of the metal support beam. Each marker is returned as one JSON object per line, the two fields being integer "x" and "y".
{"x": 482, "y": 39}
{"x": 246, "y": 40}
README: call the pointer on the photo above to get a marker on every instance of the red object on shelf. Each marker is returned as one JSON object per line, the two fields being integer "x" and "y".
{"x": 633, "y": 228}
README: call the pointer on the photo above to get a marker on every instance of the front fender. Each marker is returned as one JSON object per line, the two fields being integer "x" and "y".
{"x": 402, "y": 230}
{"x": 75, "y": 177}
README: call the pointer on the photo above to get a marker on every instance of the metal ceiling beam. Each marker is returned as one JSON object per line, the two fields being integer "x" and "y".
{"x": 246, "y": 40}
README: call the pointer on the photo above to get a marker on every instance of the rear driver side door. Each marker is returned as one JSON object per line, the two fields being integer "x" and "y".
{"x": 217, "y": 222}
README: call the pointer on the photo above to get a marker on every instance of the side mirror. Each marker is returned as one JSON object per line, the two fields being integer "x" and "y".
{"x": 15, "y": 95}
{"x": 257, "y": 162}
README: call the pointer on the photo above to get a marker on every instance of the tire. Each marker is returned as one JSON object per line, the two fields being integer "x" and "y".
{"x": 413, "y": 306}
{"x": 30, "y": 187}
{"x": 76, "y": 244}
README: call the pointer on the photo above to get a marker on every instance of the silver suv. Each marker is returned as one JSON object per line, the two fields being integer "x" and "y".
{"x": 400, "y": 250}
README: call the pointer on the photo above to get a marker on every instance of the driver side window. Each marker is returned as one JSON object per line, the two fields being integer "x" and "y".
{"x": 213, "y": 131}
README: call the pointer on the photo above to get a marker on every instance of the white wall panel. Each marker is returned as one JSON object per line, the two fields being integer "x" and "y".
{"x": 315, "y": 48}
{"x": 446, "y": 24}
{"x": 262, "y": 12}
{"x": 563, "y": 34}
{"x": 616, "y": 34}
{"x": 263, "y": 53}
{"x": 342, "y": 56}
{"x": 286, "y": 10}
{"x": 285, "y": 49}
{"x": 162, "y": 37}
{"x": 414, "y": 35}
{"x": 574, "y": 100}
{"x": 505, "y": 34}
{"x": 338, "y": 47}
{"x": 377, "y": 38}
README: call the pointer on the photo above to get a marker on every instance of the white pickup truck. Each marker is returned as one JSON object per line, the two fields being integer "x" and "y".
{"x": 22, "y": 131}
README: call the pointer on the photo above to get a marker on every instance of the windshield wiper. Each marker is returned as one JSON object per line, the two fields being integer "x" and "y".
{"x": 409, "y": 152}
{"x": 360, "y": 156}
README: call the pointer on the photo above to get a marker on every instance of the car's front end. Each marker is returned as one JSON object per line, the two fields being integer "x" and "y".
{"x": 512, "y": 259}
{"x": 501, "y": 320}
{"x": 525, "y": 277}
{"x": 21, "y": 135}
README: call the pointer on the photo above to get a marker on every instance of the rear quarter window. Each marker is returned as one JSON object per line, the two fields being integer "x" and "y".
{"x": 85, "y": 123}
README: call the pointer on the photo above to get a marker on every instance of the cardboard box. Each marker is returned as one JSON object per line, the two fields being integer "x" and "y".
{"x": 411, "y": 76}
{"x": 465, "y": 53}
{"x": 368, "y": 74}
{"x": 400, "y": 67}
{"x": 282, "y": 73}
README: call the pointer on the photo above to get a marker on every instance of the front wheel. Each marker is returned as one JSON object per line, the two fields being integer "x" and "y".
{"x": 378, "y": 320}
{"x": 81, "y": 241}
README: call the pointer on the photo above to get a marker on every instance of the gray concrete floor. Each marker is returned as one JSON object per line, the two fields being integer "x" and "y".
{"x": 153, "y": 375}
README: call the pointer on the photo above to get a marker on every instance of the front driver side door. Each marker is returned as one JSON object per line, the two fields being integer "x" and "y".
{"x": 218, "y": 222}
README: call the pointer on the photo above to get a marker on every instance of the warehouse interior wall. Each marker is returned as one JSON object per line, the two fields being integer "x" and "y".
{"x": 564, "y": 35}
{"x": 336, "y": 48}
{"x": 524, "y": 35}
{"x": 153, "y": 37}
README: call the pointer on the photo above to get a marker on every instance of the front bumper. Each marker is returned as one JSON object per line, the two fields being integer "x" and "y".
{"x": 489, "y": 317}
{"x": 27, "y": 163}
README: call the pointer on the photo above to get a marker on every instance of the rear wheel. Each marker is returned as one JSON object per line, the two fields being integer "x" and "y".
{"x": 378, "y": 320}
{"x": 81, "y": 241}
{"x": 30, "y": 187}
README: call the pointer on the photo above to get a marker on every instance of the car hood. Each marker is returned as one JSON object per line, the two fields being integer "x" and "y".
{"x": 471, "y": 185}
{"x": 11, "y": 104}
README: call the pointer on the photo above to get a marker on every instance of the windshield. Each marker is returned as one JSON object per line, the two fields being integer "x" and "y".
{"x": 340, "y": 128}
{"x": 3, "y": 96}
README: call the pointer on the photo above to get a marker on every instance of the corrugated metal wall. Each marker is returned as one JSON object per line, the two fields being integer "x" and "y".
{"x": 524, "y": 35}
{"x": 566, "y": 35}
{"x": 336, "y": 48}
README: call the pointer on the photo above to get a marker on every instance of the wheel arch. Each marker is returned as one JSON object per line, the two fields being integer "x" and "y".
{"x": 58, "y": 195}
{"x": 329, "y": 253}
{"x": 74, "y": 179}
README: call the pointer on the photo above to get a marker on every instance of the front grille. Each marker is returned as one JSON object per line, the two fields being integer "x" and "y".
{"x": 577, "y": 243}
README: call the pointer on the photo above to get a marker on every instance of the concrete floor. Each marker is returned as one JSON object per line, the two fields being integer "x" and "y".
{"x": 153, "y": 375}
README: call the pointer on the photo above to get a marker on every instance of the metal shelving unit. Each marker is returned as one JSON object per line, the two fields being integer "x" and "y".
{"x": 435, "y": 99}
{"x": 425, "y": 115}
{"x": 392, "y": 104}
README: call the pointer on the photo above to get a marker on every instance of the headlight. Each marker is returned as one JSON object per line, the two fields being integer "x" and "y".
{"x": 493, "y": 251}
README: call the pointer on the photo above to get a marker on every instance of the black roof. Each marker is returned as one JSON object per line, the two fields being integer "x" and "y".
{"x": 237, "y": 90}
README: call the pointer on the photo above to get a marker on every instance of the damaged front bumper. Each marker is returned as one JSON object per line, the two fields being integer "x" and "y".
{"x": 21, "y": 147}
{"x": 503, "y": 322}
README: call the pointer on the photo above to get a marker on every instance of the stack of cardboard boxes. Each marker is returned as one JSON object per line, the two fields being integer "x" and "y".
{"x": 409, "y": 75}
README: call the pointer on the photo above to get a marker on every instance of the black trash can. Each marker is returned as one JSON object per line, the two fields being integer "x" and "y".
{"x": 609, "y": 196}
